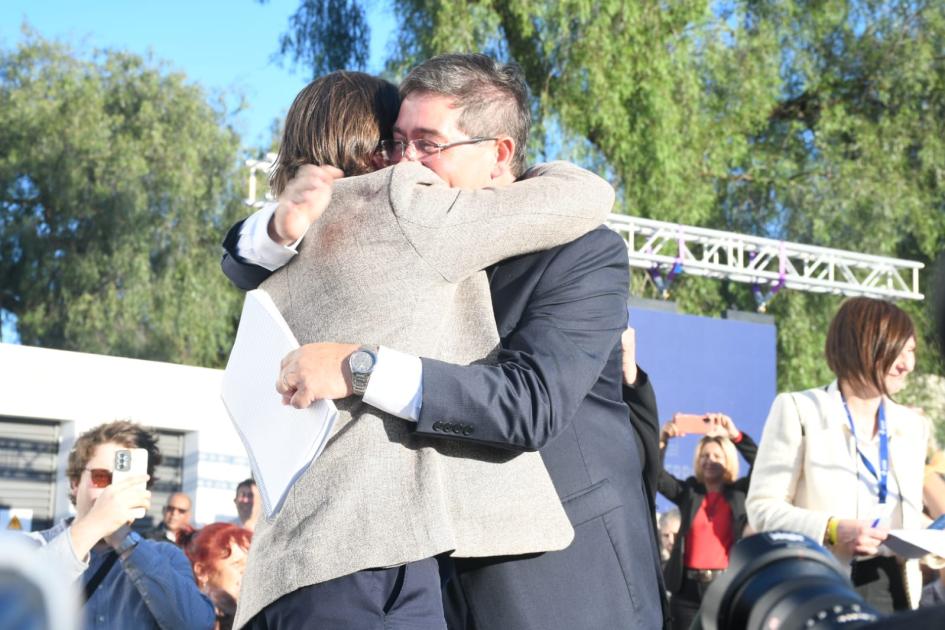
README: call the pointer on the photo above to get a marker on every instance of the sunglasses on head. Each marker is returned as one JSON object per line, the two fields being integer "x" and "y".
{"x": 100, "y": 477}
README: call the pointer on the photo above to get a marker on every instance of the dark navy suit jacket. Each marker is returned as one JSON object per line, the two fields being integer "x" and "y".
{"x": 557, "y": 388}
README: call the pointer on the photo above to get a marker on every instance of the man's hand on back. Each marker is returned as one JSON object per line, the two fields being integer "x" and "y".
{"x": 315, "y": 371}
{"x": 302, "y": 202}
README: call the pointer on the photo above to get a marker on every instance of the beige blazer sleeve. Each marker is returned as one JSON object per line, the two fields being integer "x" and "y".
{"x": 779, "y": 469}
{"x": 458, "y": 232}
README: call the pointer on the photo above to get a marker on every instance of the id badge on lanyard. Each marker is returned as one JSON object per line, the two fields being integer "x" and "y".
{"x": 881, "y": 476}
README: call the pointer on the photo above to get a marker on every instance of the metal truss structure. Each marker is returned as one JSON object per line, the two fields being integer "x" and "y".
{"x": 264, "y": 165}
{"x": 669, "y": 249}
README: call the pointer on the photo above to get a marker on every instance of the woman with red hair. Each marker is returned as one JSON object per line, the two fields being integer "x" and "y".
{"x": 218, "y": 555}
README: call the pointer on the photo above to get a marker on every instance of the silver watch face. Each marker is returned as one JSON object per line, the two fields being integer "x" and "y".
{"x": 361, "y": 362}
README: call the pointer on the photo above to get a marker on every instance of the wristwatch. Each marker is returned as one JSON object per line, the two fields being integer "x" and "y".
{"x": 130, "y": 542}
{"x": 362, "y": 362}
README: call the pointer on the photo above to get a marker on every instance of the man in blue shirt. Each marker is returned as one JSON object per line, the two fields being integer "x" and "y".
{"x": 129, "y": 582}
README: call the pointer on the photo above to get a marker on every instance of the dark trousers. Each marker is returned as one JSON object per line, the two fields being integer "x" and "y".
{"x": 400, "y": 598}
{"x": 879, "y": 581}
{"x": 684, "y": 605}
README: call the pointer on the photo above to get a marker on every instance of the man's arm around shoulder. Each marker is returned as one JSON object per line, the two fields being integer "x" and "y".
{"x": 243, "y": 274}
{"x": 461, "y": 231}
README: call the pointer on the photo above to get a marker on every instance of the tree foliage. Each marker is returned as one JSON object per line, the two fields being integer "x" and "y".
{"x": 326, "y": 35}
{"x": 117, "y": 180}
{"x": 816, "y": 121}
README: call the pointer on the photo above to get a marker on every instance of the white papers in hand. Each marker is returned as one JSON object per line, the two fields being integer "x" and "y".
{"x": 916, "y": 543}
{"x": 281, "y": 441}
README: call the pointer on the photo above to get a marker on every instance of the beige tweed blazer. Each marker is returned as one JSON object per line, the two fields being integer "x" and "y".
{"x": 397, "y": 260}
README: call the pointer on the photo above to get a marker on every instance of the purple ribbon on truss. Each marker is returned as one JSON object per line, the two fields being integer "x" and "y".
{"x": 762, "y": 298}
{"x": 663, "y": 280}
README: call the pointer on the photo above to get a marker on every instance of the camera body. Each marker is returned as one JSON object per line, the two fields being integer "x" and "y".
{"x": 783, "y": 580}
{"x": 130, "y": 462}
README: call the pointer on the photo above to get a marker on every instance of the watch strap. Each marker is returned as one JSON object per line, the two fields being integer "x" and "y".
{"x": 130, "y": 542}
{"x": 359, "y": 379}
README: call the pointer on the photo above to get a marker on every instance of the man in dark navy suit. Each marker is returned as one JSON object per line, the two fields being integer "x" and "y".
{"x": 556, "y": 388}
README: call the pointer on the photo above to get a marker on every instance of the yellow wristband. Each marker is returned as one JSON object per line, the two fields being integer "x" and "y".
{"x": 832, "y": 526}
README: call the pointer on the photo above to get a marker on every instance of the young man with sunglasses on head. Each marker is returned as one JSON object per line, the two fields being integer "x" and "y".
{"x": 129, "y": 582}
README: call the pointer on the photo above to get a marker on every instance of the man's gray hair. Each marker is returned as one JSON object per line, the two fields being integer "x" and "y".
{"x": 493, "y": 96}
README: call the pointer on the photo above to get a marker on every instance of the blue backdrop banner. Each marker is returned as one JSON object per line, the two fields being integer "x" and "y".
{"x": 700, "y": 365}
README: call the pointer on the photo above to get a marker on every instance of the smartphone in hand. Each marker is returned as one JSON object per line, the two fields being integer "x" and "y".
{"x": 692, "y": 423}
{"x": 130, "y": 462}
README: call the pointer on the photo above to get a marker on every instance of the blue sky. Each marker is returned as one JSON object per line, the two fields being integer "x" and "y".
{"x": 224, "y": 45}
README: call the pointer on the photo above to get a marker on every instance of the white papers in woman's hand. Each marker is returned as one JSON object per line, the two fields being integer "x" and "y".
{"x": 916, "y": 543}
{"x": 281, "y": 441}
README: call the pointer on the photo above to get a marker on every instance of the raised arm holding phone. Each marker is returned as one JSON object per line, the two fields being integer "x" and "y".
{"x": 711, "y": 506}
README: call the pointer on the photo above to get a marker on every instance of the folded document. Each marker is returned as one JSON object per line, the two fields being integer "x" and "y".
{"x": 281, "y": 441}
{"x": 916, "y": 543}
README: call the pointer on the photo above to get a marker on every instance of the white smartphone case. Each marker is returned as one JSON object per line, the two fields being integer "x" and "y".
{"x": 130, "y": 462}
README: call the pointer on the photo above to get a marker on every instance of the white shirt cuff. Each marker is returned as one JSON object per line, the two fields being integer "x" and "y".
{"x": 396, "y": 384}
{"x": 254, "y": 245}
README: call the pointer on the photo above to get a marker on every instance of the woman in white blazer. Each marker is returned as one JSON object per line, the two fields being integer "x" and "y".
{"x": 821, "y": 460}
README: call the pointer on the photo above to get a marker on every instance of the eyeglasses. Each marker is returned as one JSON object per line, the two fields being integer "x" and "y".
{"x": 393, "y": 151}
{"x": 178, "y": 510}
{"x": 100, "y": 477}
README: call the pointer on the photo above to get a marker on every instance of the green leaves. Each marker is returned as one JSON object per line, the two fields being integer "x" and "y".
{"x": 326, "y": 35}
{"x": 117, "y": 181}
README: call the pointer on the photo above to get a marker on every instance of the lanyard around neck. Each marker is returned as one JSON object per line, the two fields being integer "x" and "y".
{"x": 883, "y": 448}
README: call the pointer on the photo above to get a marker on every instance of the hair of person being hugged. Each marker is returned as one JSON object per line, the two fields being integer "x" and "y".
{"x": 336, "y": 120}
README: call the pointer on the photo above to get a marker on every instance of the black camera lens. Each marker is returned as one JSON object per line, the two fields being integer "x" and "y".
{"x": 783, "y": 580}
